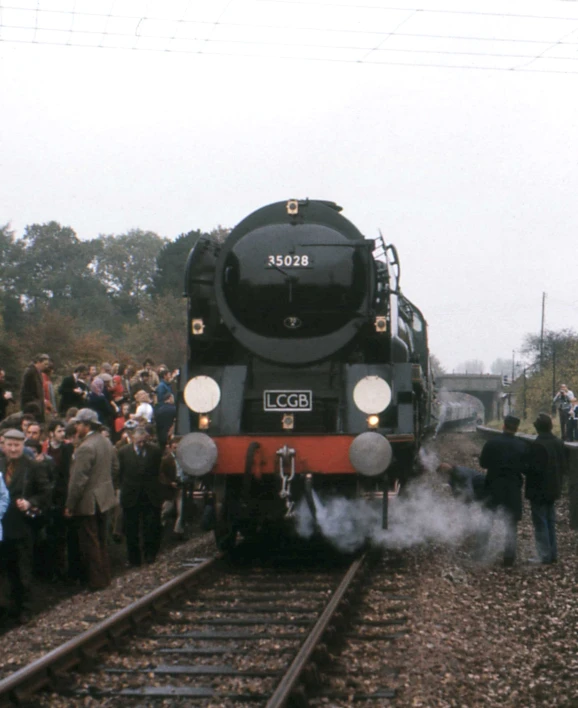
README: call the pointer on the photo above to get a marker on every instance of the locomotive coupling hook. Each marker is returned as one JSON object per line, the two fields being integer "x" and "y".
{"x": 286, "y": 457}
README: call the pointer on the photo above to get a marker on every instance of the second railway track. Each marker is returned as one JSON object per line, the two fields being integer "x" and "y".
{"x": 274, "y": 632}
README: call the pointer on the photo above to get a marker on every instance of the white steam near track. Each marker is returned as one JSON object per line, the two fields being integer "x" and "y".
{"x": 422, "y": 515}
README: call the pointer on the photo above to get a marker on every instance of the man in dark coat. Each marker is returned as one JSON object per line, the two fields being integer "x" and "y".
{"x": 506, "y": 458}
{"x": 62, "y": 539}
{"x": 29, "y": 490}
{"x": 73, "y": 390}
{"x": 32, "y": 390}
{"x": 546, "y": 468}
{"x": 141, "y": 496}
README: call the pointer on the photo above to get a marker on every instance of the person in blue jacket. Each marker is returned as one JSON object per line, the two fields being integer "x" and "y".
{"x": 4, "y": 501}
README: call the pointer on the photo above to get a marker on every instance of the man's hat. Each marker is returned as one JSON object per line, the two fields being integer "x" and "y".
{"x": 510, "y": 421}
{"x": 85, "y": 415}
{"x": 131, "y": 425}
{"x": 14, "y": 434}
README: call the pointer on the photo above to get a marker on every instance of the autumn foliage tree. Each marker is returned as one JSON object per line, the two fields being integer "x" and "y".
{"x": 550, "y": 361}
{"x": 161, "y": 331}
{"x": 112, "y": 298}
{"x": 58, "y": 335}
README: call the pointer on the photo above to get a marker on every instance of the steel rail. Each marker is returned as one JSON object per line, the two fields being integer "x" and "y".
{"x": 289, "y": 682}
{"x": 36, "y": 675}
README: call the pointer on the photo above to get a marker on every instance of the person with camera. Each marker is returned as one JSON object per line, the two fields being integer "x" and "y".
{"x": 29, "y": 490}
{"x": 562, "y": 402}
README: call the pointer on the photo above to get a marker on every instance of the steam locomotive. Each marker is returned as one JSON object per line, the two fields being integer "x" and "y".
{"x": 307, "y": 373}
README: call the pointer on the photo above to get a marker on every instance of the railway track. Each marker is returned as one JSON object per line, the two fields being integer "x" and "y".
{"x": 272, "y": 632}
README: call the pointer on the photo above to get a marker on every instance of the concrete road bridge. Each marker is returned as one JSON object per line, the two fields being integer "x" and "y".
{"x": 487, "y": 387}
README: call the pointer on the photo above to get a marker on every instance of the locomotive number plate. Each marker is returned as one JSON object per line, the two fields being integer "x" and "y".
{"x": 287, "y": 401}
{"x": 289, "y": 261}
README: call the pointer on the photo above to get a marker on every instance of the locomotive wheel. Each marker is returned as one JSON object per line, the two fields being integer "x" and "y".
{"x": 225, "y": 530}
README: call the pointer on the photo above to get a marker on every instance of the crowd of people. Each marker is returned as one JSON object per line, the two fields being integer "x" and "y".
{"x": 95, "y": 459}
{"x": 515, "y": 465}
{"x": 87, "y": 461}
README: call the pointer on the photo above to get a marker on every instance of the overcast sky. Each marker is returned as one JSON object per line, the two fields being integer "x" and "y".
{"x": 177, "y": 115}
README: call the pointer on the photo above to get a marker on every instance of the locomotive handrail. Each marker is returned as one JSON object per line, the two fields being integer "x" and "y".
{"x": 395, "y": 264}
{"x": 353, "y": 244}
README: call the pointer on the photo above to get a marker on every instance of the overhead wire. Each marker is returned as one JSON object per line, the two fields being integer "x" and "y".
{"x": 437, "y": 11}
{"x": 36, "y": 20}
{"x": 393, "y": 31}
{"x": 106, "y": 23}
{"x": 547, "y": 49}
{"x": 73, "y": 18}
{"x": 332, "y": 60}
{"x": 211, "y": 40}
{"x": 180, "y": 21}
{"x": 217, "y": 21}
{"x": 254, "y": 25}
{"x": 137, "y": 28}
{"x": 472, "y": 38}
{"x": 308, "y": 45}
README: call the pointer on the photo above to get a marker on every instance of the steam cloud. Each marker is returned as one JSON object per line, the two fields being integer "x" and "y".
{"x": 422, "y": 515}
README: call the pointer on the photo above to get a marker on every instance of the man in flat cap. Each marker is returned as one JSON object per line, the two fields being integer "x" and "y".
{"x": 91, "y": 495}
{"x": 506, "y": 459}
{"x": 546, "y": 469}
{"x": 29, "y": 490}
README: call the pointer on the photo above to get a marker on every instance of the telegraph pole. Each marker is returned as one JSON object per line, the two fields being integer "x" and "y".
{"x": 542, "y": 331}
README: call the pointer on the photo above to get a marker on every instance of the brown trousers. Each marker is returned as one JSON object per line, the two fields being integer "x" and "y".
{"x": 93, "y": 549}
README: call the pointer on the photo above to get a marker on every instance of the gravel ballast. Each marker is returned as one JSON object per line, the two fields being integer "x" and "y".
{"x": 484, "y": 635}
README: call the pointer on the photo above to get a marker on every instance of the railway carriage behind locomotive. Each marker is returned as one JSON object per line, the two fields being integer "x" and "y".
{"x": 307, "y": 371}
